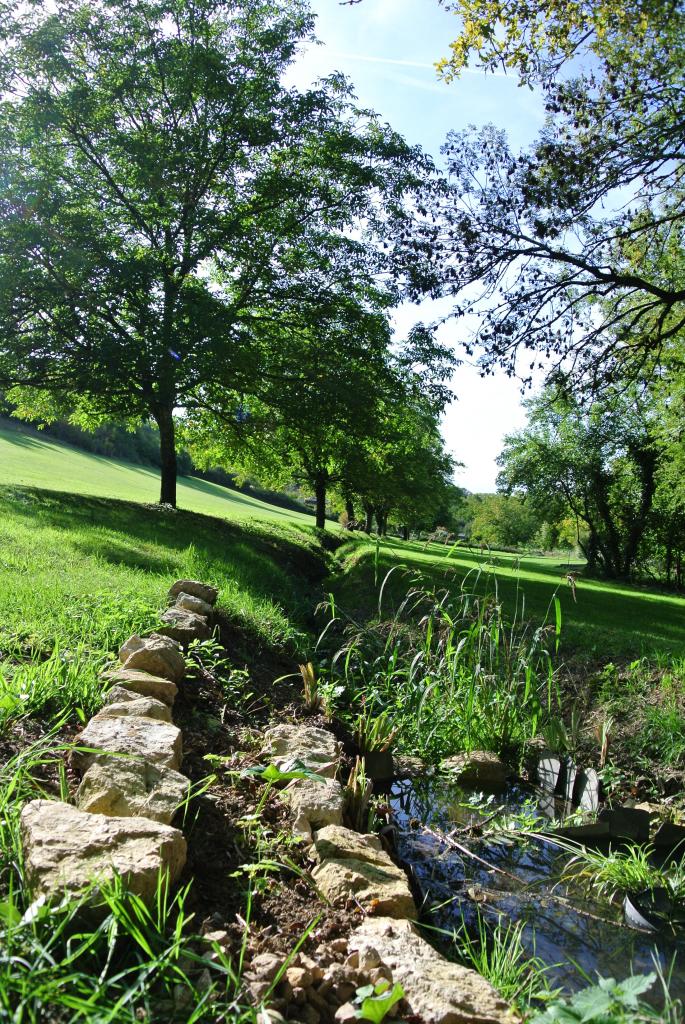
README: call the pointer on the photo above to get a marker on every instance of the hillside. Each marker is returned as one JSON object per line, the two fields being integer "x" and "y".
{"x": 30, "y": 461}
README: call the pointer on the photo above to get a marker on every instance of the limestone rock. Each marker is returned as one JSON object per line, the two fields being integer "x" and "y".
{"x": 132, "y": 789}
{"x": 479, "y": 768}
{"x": 184, "y": 626}
{"x": 159, "y": 655}
{"x": 202, "y": 590}
{"x": 66, "y": 848}
{"x": 316, "y": 748}
{"x": 118, "y": 695}
{"x": 139, "y": 707}
{"x": 142, "y": 684}
{"x": 314, "y": 804}
{"x": 193, "y": 604}
{"x": 360, "y": 869}
{"x": 437, "y": 991}
{"x": 143, "y": 739}
{"x": 339, "y": 843}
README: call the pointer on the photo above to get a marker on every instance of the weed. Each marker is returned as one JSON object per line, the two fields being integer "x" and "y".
{"x": 313, "y": 698}
{"x": 375, "y": 1002}
{"x": 358, "y": 798}
{"x": 498, "y": 954}
{"x": 450, "y": 672}
{"x": 620, "y": 871}
{"x": 611, "y": 1002}
{"x": 374, "y": 733}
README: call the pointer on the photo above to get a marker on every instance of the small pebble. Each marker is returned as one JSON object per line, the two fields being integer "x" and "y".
{"x": 299, "y": 977}
{"x": 345, "y": 1013}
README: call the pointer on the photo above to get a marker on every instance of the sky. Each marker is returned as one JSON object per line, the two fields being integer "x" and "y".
{"x": 388, "y": 49}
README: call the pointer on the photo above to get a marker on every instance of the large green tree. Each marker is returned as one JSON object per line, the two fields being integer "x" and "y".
{"x": 598, "y": 461}
{"x": 558, "y": 248}
{"x": 316, "y": 399}
{"x": 157, "y": 178}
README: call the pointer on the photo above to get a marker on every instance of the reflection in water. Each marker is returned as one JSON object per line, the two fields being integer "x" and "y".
{"x": 456, "y": 888}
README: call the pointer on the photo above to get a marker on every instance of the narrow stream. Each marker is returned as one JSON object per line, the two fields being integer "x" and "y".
{"x": 574, "y": 936}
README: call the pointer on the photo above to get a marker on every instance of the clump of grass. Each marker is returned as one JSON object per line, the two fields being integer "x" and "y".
{"x": 613, "y": 874}
{"x": 499, "y": 955}
{"x": 451, "y": 671}
{"x": 374, "y": 733}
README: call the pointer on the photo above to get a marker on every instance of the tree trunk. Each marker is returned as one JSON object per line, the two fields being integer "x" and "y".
{"x": 320, "y": 494}
{"x": 368, "y": 518}
{"x": 164, "y": 418}
{"x": 646, "y": 459}
{"x": 405, "y": 533}
{"x": 349, "y": 510}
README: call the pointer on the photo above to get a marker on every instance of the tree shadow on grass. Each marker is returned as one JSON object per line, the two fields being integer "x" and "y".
{"x": 21, "y": 440}
{"x": 603, "y": 623}
{"x": 276, "y": 564}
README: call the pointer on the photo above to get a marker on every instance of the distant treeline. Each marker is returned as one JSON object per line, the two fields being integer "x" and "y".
{"x": 141, "y": 446}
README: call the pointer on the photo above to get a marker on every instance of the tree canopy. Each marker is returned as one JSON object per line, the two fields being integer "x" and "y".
{"x": 161, "y": 187}
{"x": 569, "y": 242}
{"x": 598, "y": 462}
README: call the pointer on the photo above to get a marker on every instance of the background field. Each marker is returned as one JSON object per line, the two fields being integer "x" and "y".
{"x": 30, "y": 461}
{"x": 57, "y": 549}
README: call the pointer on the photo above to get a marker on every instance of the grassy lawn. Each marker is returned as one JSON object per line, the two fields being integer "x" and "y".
{"x": 30, "y": 461}
{"x": 604, "y": 620}
{"x": 79, "y": 574}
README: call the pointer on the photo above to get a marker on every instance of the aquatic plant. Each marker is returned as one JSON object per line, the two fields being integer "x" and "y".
{"x": 450, "y": 669}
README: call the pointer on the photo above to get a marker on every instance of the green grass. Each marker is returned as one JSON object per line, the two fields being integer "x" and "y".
{"x": 30, "y": 461}
{"x": 79, "y": 574}
{"x": 606, "y": 620}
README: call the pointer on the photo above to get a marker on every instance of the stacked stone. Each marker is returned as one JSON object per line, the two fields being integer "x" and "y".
{"x": 354, "y": 870}
{"x": 129, "y": 755}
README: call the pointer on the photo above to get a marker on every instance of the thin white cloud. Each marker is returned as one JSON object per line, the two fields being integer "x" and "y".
{"x": 404, "y": 63}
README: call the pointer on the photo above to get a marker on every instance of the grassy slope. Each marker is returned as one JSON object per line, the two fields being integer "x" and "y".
{"x": 30, "y": 461}
{"x": 606, "y": 620}
{"x": 79, "y": 574}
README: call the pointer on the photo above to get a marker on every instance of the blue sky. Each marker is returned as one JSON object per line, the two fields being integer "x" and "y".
{"x": 388, "y": 48}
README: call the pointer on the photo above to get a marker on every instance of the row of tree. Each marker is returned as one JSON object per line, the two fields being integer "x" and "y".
{"x": 185, "y": 239}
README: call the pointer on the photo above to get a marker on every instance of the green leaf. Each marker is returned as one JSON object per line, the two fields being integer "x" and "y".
{"x": 633, "y": 987}
{"x": 376, "y": 1007}
{"x": 594, "y": 1002}
{"x": 291, "y": 770}
{"x": 9, "y": 913}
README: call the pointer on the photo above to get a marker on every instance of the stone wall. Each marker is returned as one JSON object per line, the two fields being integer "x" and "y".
{"x": 352, "y": 869}
{"x": 129, "y": 756}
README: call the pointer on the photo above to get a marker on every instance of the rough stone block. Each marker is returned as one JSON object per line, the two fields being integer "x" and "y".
{"x": 135, "y": 706}
{"x": 193, "y": 604}
{"x": 317, "y": 749}
{"x": 142, "y": 739}
{"x": 335, "y": 841}
{"x": 65, "y": 849}
{"x": 437, "y": 991}
{"x": 133, "y": 790}
{"x": 159, "y": 655}
{"x": 184, "y": 626}
{"x": 139, "y": 684}
{"x": 354, "y": 865}
{"x": 202, "y": 590}
{"x": 314, "y": 804}
{"x": 379, "y": 888}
